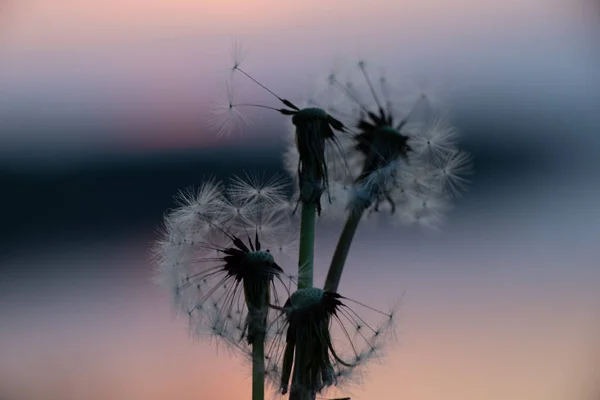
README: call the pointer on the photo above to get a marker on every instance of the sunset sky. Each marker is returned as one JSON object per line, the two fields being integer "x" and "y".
{"x": 502, "y": 304}
{"x": 141, "y": 64}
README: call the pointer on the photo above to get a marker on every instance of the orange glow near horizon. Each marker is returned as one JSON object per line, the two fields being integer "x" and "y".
{"x": 150, "y": 357}
{"x": 131, "y": 346}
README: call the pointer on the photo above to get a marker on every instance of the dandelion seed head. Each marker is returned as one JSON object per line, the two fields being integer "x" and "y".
{"x": 330, "y": 327}
{"x": 314, "y": 127}
{"x": 237, "y": 210}
{"x": 425, "y": 210}
{"x": 404, "y": 149}
{"x": 336, "y": 169}
{"x": 214, "y": 256}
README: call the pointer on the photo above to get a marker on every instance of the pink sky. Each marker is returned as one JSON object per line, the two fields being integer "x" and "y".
{"x": 481, "y": 319}
{"x": 478, "y": 336}
{"x": 35, "y": 22}
{"x": 131, "y": 348}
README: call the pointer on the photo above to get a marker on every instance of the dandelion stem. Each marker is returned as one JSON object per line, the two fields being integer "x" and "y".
{"x": 342, "y": 249}
{"x": 258, "y": 367}
{"x": 307, "y": 245}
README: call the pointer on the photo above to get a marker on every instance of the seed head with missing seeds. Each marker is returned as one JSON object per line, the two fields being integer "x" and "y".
{"x": 315, "y": 132}
{"x": 324, "y": 341}
{"x": 400, "y": 156}
{"x": 218, "y": 266}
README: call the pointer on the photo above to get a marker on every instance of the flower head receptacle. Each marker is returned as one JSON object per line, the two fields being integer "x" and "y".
{"x": 323, "y": 341}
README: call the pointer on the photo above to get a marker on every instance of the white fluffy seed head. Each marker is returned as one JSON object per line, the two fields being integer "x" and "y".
{"x": 432, "y": 168}
{"x": 189, "y": 255}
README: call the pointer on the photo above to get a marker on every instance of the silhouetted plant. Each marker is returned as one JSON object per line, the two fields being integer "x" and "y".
{"x": 227, "y": 251}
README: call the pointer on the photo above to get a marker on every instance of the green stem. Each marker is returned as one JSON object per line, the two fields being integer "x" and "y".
{"x": 258, "y": 367}
{"x": 307, "y": 245}
{"x": 332, "y": 281}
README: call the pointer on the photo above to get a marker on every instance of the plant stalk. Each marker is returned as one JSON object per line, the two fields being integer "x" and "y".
{"x": 307, "y": 245}
{"x": 334, "y": 275}
{"x": 258, "y": 366}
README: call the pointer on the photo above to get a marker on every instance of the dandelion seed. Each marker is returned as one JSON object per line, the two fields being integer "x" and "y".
{"x": 238, "y": 54}
{"x": 398, "y": 163}
{"x": 425, "y": 210}
{"x": 195, "y": 208}
{"x": 254, "y": 187}
{"x": 268, "y": 222}
{"x": 225, "y": 118}
{"x": 284, "y": 247}
{"x": 436, "y": 141}
{"x": 450, "y": 170}
{"x": 238, "y": 211}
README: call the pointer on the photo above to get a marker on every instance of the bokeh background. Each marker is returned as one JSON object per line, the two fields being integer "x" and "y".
{"x": 102, "y": 119}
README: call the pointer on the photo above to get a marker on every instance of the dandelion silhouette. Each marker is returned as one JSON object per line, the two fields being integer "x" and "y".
{"x": 214, "y": 256}
{"x": 324, "y": 341}
{"x": 397, "y": 156}
{"x": 410, "y": 166}
{"x": 224, "y": 250}
{"x": 314, "y": 131}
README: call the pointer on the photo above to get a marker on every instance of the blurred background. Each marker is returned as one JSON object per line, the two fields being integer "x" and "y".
{"x": 102, "y": 119}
